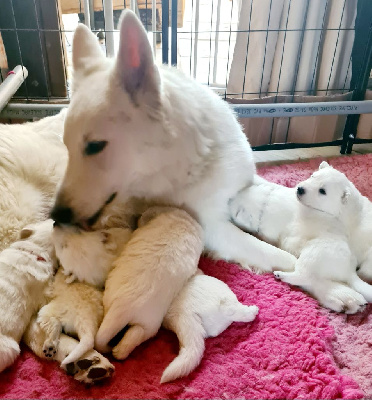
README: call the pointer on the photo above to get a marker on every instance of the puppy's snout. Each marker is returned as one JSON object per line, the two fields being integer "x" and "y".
{"x": 300, "y": 191}
{"x": 62, "y": 215}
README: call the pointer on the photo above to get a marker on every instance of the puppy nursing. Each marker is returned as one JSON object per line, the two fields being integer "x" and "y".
{"x": 319, "y": 229}
{"x": 75, "y": 306}
{"x": 26, "y": 267}
{"x": 153, "y": 267}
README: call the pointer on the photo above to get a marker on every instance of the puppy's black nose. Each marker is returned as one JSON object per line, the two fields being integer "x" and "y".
{"x": 300, "y": 191}
{"x": 62, "y": 215}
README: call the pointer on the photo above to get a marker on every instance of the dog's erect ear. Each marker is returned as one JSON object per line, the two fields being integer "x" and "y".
{"x": 26, "y": 233}
{"x": 324, "y": 164}
{"x": 86, "y": 52}
{"x": 135, "y": 63}
{"x": 345, "y": 196}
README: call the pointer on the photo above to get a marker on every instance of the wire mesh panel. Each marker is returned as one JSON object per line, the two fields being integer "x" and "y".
{"x": 249, "y": 51}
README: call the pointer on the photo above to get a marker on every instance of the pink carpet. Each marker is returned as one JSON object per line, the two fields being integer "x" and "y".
{"x": 293, "y": 350}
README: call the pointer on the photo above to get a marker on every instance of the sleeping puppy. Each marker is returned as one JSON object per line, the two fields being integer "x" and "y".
{"x": 75, "y": 306}
{"x": 205, "y": 307}
{"x": 158, "y": 260}
{"x": 26, "y": 268}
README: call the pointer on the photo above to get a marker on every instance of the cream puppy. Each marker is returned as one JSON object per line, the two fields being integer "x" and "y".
{"x": 154, "y": 266}
{"x": 75, "y": 306}
{"x": 205, "y": 307}
{"x": 26, "y": 267}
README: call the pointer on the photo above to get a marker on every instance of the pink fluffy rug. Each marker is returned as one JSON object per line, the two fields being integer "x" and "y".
{"x": 294, "y": 349}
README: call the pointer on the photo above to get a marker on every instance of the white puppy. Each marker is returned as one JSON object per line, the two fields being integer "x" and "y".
{"x": 76, "y": 307}
{"x": 135, "y": 129}
{"x": 25, "y": 269}
{"x": 154, "y": 266}
{"x": 205, "y": 307}
{"x": 88, "y": 256}
{"x": 318, "y": 229}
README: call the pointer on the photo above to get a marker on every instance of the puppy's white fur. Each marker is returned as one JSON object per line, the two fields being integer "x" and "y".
{"x": 161, "y": 256}
{"x": 205, "y": 307}
{"x": 162, "y": 136}
{"x": 318, "y": 229}
{"x": 25, "y": 269}
{"x": 88, "y": 256}
{"x": 76, "y": 307}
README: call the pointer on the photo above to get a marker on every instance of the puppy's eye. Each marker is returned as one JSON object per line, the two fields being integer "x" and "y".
{"x": 322, "y": 191}
{"x": 95, "y": 147}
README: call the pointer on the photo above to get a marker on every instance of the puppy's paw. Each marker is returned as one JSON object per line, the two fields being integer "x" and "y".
{"x": 70, "y": 278}
{"x": 50, "y": 349}
{"x": 93, "y": 367}
{"x": 278, "y": 274}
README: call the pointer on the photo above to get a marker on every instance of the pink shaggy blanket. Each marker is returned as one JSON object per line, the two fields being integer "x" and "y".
{"x": 293, "y": 350}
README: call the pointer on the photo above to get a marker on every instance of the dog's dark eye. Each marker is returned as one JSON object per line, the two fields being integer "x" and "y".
{"x": 322, "y": 191}
{"x": 95, "y": 147}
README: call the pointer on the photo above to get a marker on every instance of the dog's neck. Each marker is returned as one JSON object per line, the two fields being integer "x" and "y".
{"x": 38, "y": 256}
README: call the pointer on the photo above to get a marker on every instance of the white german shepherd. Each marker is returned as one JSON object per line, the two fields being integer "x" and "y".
{"x": 134, "y": 129}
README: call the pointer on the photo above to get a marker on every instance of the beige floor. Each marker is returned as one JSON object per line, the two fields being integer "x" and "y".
{"x": 271, "y": 157}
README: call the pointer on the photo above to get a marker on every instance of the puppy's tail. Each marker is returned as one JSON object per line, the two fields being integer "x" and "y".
{"x": 190, "y": 333}
{"x": 86, "y": 343}
{"x": 9, "y": 351}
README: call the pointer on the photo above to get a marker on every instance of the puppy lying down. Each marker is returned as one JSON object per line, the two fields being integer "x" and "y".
{"x": 76, "y": 307}
{"x": 25, "y": 270}
{"x": 313, "y": 222}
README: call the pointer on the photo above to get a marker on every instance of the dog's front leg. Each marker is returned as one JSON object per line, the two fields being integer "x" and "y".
{"x": 91, "y": 367}
{"x": 224, "y": 240}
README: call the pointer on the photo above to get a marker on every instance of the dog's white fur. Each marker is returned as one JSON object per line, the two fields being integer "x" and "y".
{"x": 205, "y": 307}
{"x": 161, "y": 256}
{"x": 88, "y": 256}
{"x": 323, "y": 230}
{"x": 76, "y": 296}
{"x": 25, "y": 269}
{"x": 168, "y": 138}
{"x": 33, "y": 159}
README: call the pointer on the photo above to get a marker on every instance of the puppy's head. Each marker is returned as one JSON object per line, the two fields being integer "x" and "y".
{"x": 327, "y": 190}
{"x": 75, "y": 246}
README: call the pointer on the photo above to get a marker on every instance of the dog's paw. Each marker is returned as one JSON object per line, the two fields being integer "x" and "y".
{"x": 90, "y": 369}
{"x": 50, "y": 349}
{"x": 70, "y": 278}
{"x": 344, "y": 299}
{"x": 278, "y": 274}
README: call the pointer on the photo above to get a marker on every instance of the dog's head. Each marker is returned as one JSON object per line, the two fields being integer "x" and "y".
{"x": 94, "y": 249}
{"x": 115, "y": 112}
{"x": 327, "y": 190}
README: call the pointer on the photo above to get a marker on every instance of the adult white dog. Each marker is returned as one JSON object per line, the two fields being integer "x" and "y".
{"x": 133, "y": 129}
{"x": 325, "y": 229}
{"x": 33, "y": 159}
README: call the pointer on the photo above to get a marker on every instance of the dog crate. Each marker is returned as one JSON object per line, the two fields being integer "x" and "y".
{"x": 296, "y": 71}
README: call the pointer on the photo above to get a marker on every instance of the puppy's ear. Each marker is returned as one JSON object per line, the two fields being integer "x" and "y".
{"x": 26, "y": 233}
{"x": 135, "y": 65}
{"x": 323, "y": 164}
{"x": 107, "y": 241}
{"x": 345, "y": 196}
{"x": 86, "y": 53}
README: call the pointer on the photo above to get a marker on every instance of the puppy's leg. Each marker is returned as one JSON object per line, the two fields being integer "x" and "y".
{"x": 88, "y": 369}
{"x": 113, "y": 322}
{"x": 9, "y": 351}
{"x": 293, "y": 278}
{"x": 86, "y": 335}
{"x": 134, "y": 336}
{"x": 228, "y": 242}
{"x": 52, "y": 328}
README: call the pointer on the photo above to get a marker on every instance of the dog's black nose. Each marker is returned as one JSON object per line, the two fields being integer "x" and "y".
{"x": 300, "y": 191}
{"x": 62, "y": 215}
